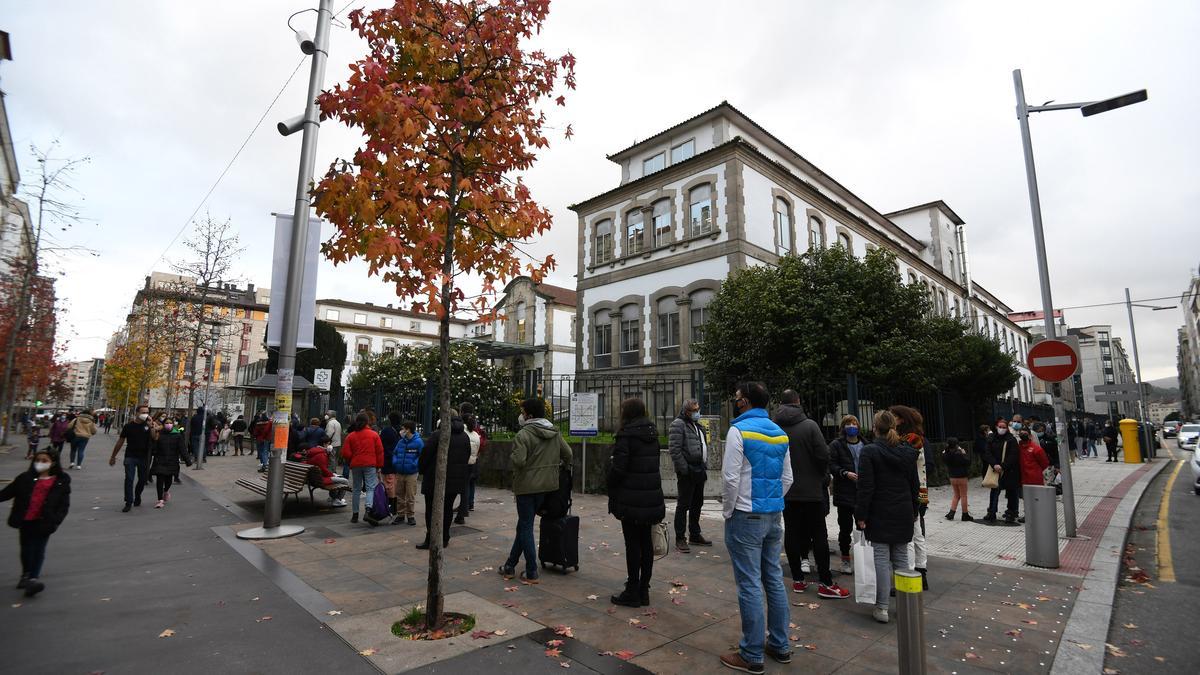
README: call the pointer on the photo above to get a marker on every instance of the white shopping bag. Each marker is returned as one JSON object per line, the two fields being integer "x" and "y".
{"x": 864, "y": 569}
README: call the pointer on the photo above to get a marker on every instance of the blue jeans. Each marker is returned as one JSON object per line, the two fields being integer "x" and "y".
{"x": 77, "y": 447}
{"x": 525, "y": 544}
{"x": 363, "y": 476}
{"x": 264, "y": 452}
{"x": 755, "y": 542}
{"x": 134, "y": 465}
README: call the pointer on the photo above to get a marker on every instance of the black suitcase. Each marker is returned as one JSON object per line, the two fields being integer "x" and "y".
{"x": 558, "y": 542}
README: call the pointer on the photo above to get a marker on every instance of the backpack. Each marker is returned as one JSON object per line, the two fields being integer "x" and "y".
{"x": 558, "y": 502}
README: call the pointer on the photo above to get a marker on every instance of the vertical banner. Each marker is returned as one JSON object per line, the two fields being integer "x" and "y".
{"x": 308, "y": 291}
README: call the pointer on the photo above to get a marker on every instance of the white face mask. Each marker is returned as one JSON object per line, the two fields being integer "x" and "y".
{"x": 1002, "y": 430}
{"x": 143, "y": 416}
{"x": 42, "y": 467}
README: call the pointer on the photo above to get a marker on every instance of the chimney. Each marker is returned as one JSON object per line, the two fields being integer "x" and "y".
{"x": 389, "y": 305}
{"x": 249, "y": 288}
{"x": 368, "y": 304}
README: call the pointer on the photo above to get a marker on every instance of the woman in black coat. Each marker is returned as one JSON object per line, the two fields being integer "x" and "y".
{"x": 635, "y": 497}
{"x": 458, "y": 468}
{"x": 41, "y": 498}
{"x": 166, "y": 453}
{"x": 1004, "y": 455}
{"x": 844, "y": 454}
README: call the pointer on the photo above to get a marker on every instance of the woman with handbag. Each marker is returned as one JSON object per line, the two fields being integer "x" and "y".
{"x": 1003, "y": 458}
{"x": 635, "y": 498}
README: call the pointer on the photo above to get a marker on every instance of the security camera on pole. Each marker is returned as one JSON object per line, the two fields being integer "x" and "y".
{"x": 318, "y": 48}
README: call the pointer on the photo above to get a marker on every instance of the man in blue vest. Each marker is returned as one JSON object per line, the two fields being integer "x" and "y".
{"x": 756, "y": 473}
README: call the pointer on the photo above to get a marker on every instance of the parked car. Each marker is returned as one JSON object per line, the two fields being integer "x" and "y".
{"x": 1188, "y": 434}
{"x": 1171, "y": 429}
{"x": 1195, "y": 472}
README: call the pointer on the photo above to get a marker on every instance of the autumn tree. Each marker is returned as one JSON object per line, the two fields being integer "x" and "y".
{"x": 447, "y": 99}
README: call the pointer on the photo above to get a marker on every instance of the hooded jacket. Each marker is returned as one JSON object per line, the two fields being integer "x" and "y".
{"x": 1033, "y": 462}
{"x": 166, "y": 453}
{"x": 888, "y": 492}
{"x": 634, "y": 483}
{"x": 539, "y": 450}
{"x": 406, "y": 454}
{"x": 687, "y": 442}
{"x": 318, "y": 457}
{"x": 84, "y": 426}
{"x": 808, "y": 452}
{"x": 457, "y": 461}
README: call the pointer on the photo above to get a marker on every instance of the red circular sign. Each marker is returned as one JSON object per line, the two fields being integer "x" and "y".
{"x": 1052, "y": 360}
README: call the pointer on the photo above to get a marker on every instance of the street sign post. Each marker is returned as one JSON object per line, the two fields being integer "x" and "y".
{"x": 1052, "y": 360}
{"x": 584, "y": 422}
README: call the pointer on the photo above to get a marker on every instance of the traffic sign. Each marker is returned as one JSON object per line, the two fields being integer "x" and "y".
{"x": 585, "y": 414}
{"x": 1115, "y": 388}
{"x": 1117, "y": 398}
{"x": 1052, "y": 360}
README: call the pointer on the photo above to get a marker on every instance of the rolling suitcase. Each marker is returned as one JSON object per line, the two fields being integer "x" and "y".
{"x": 558, "y": 542}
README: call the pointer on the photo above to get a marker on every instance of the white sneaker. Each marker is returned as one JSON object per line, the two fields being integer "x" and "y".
{"x": 71, "y": 465}
{"x": 805, "y": 567}
{"x": 847, "y": 567}
{"x": 880, "y": 615}
{"x": 79, "y": 467}
{"x": 158, "y": 504}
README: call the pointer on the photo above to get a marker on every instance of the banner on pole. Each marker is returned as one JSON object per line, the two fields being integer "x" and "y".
{"x": 308, "y": 292}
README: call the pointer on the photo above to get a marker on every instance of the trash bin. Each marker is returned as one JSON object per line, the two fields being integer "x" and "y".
{"x": 1041, "y": 526}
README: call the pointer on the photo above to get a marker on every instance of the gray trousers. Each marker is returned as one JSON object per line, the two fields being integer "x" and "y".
{"x": 888, "y": 558}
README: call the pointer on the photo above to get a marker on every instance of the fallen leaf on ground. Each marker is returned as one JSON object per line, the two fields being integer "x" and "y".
{"x": 334, "y": 612}
{"x": 1111, "y": 671}
{"x": 554, "y": 653}
{"x": 676, "y": 601}
{"x": 481, "y": 634}
{"x": 254, "y": 599}
{"x": 16, "y": 605}
{"x": 1031, "y": 622}
{"x": 634, "y": 622}
{"x": 330, "y": 541}
{"x": 678, "y": 584}
{"x": 502, "y": 632}
{"x": 1114, "y": 650}
{"x": 510, "y": 605}
{"x": 369, "y": 652}
{"x": 624, "y": 654}
{"x": 166, "y": 633}
{"x": 811, "y": 648}
{"x": 1137, "y": 643}
{"x": 511, "y": 589}
{"x": 554, "y": 643}
{"x": 972, "y": 656}
{"x": 593, "y": 597}
{"x": 1016, "y": 632}
{"x": 564, "y": 664}
{"x": 265, "y": 618}
{"x": 1131, "y": 626}
{"x": 1044, "y": 598}
{"x": 1005, "y": 556}
{"x": 564, "y": 631}
{"x": 1160, "y": 659}
{"x": 794, "y": 638}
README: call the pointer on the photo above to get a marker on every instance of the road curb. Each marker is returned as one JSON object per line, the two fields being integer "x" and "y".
{"x": 1081, "y": 647}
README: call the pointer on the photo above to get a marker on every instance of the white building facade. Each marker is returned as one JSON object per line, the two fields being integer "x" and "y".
{"x": 534, "y": 330}
{"x": 1189, "y": 351}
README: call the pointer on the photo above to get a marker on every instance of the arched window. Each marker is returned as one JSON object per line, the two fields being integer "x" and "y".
{"x": 699, "y": 313}
{"x": 631, "y": 337}
{"x": 957, "y": 308}
{"x": 604, "y": 242}
{"x": 635, "y": 227}
{"x": 362, "y": 347}
{"x": 943, "y": 307}
{"x": 844, "y": 242}
{"x": 602, "y": 346}
{"x": 700, "y": 210}
{"x": 912, "y": 277}
{"x": 816, "y": 233}
{"x": 661, "y": 222}
{"x": 520, "y": 317}
{"x": 389, "y": 347}
{"x": 783, "y": 226}
{"x": 668, "y": 330}
{"x": 953, "y": 267}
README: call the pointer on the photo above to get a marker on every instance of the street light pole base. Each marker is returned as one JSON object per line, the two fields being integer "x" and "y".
{"x": 271, "y": 532}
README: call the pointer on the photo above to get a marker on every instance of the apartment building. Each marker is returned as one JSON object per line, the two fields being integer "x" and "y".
{"x": 532, "y": 333}
{"x": 1189, "y": 351}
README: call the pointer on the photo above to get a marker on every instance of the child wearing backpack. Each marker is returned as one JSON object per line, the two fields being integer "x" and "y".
{"x": 405, "y": 456}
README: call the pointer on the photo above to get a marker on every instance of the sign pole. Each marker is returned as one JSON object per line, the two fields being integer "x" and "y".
{"x": 584, "y": 422}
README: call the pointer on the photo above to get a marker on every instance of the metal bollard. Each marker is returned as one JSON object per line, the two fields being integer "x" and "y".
{"x": 1041, "y": 526}
{"x": 910, "y": 622}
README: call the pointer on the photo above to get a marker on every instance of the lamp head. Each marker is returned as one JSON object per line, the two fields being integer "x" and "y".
{"x": 306, "y": 42}
{"x": 291, "y": 125}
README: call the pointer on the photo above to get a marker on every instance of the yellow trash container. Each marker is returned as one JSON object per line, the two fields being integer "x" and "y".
{"x": 1129, "y": 433}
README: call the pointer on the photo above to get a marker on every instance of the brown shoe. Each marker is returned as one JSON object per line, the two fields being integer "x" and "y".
{"x": 681, "y": 545}
{"x": 735, "y": 661}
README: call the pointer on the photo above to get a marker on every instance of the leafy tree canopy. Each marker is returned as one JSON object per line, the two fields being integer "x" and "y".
{"x": 329, "y": 351}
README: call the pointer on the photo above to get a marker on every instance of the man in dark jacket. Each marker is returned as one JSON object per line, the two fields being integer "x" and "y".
{"x": 687, "y": 442}
{"x": 1004, "y": 455}
{"x": 457, "y": 468}
{"x": 198, "y": 437}
{"x": 804, "y": 503}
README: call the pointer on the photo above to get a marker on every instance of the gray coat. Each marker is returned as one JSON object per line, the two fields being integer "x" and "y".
{"x": 808, "y": 452}
{"x": 684, "y": 443}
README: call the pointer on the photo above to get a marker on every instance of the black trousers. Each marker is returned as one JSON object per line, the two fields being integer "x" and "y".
{"x": 845, "y": 528}
{"x": 162, "y": 483}
{"x": 1112, "y": 450}
{"x": 804, "y": 526}
{"x": 688, "y": 504}
{"x": 447, "y": 515}
{"x": 639, "y": 553}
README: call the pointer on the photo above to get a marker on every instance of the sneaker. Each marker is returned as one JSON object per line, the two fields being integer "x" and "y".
{"x": 127, "y": 507}
{"x": 340, "y": 503}
{"x": 423, "y": 546}
{"x": 880, "y": 614}
{"x": 158, "y": 504}
{"x": 79, "y": 467}
{"x": 529, "y": 579}
{"x": 698, "y": 540}
{"x": 799, "y": 586}
{"x": 989, "y": 519}
{"x": 412, "y": 521}
{"x": 354, "y": 518}
{"x": 23, "y": 582}
{"x": 805, "y": 567}
{"x": 681, "y": 545}
{"x": 735, "y": 661}
{"x": 506, "y": 572}
{"x": 33, "y": 587}
{"x": 833, "y": 592}
{"x": 1021, "y": 520}
{"x": 71, "y": 465}
{"x": 847, "y": 566}
{"x": 778, "y": 657}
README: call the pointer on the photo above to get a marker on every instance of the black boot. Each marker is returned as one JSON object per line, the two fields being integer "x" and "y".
{"x": 950, "y": 515}
{"x": 644, "y": 595}
{"x": 966, "y": 517}
{"x": 628, "y": 597}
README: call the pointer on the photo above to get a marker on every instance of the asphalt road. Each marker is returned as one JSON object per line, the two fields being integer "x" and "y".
{"x": 116, "y": 581}
{"x": 1154, "y": 619}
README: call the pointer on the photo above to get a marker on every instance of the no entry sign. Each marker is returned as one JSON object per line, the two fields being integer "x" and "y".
{"x": 1052, "y": 360}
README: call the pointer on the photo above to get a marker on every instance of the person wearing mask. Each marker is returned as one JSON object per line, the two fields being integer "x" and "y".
{"x": 539, "y": 452}
{"x": 58, "y": 432}
{"x": 478, "y": 439}
{"x": 262, "y": 440}
{"x": 41, "y": 497}
{"x": 1004, "y": 456}
{"x": 1110, "y": 436}
{"x": 406, "y": 457}
{"x": 755, "y": 475}
{"x": 687, "y": 442}
{"x": 845, "y": 452}
{"x": 197, "y": 437}
{"x": 137, "y": 437}
{"x": 166, "y": 452}
{"x": 958, "y": 465}
{"x": 457, "y": 467}
{"x": 363, "y": 452}
{"x": 390, "y": 435}
{"x": 635, "y": 498}
{"x": 318, "y": 456}
{"x": 1034, "y": 461}
{"x": 910, "y": 424}
{"x": 887, "y": 503}
{"x": 238, "y": 428}
{"x": 83, "y": 428}
{"x": 1016, "y": 424}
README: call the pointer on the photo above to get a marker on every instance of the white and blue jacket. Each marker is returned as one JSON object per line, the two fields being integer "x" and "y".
{"x": 756, "y": 471}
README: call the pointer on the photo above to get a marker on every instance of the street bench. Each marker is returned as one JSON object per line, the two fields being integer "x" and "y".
{"x": 295, "y": 480}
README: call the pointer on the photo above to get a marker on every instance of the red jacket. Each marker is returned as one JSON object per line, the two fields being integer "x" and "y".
{"x": 1033, "y": 463}
{"x": 363, "y": 448}
{"x": 320, "y": 459}
{"x": 262, "y": 430}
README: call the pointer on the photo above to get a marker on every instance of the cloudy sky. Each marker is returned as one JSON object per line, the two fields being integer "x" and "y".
{"x": 901, "y": 102}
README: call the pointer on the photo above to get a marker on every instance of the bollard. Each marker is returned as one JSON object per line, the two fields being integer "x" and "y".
{"x": 1041, "y": 526}
{"x": 1129, "y": 434}
{"x": 910, "y": 622}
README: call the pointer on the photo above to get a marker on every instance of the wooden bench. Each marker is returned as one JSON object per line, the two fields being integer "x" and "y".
{"x": 295, "y": 480}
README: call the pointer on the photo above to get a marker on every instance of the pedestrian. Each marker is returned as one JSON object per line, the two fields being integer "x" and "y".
{"x": 457, "y": 468}
{"x": 82, "y": 428}
{"x": 214, "y": 437}
{"x": 41, "y": 497}
{"x": 224, "y": 434}
{"x": 958, "y": 465}
{"x": 1072, "y": 438}
{"x": 318, "y": 456}
{"x": 363, "y": 452}
{"x": 886, "y": 510}
{"x": 1004, "y": 456}
{"x": 635, "y": 498}
{"x": 196, "y": 436}
{"x": 167, "y": 451}
{"x": 539, "y": 452}
{"x": 108, "y": 422}
{"x": 238, "y": 427}
{"x": 313, "y": 435}
{"x": 333, "y": 429}
{"x": 58, "y": 432}
{"x": 477, "y": 437}
{"x": 389, "y": 435}
{"x": 35, "y": 438}
{"x": 406, "y": 457}
{"x": 137, "y": 437}
{"x": 845, "y": 453}
{"x": 262, "y": 440}
{"x": 1111, "y": 437}
{"x": 687, "y": 442}
{"x": 911, "y": 427}
{"x": 1093, "y": 435}
{"x": 1034, "y": 461}
{"x": 755, "y": 475}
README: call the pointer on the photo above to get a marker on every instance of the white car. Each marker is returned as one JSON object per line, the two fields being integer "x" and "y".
{"x": 1195, "y": 472}
{"x": 1188, "y": 434}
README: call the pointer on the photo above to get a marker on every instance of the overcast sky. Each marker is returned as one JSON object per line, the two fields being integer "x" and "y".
{"x": 901, "y": 102}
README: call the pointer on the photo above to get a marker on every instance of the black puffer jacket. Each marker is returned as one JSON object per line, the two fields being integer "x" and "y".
{"x": 54, "y": 509}
{"x": 841, "y": 462}
{"x": 887, "y": 492}
{"x": 167, "y": 451}
{"x": 1004, "y": 449}
{"x": 458, "y": 460}
{"x": 808, "y": 452}
{"x": 958, "y": 462}
{"x": 634, "y": 483}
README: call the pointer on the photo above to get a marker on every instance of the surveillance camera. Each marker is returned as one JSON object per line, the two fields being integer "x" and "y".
{"x": 290, "y": 125}
{"x": 306, "y": 42}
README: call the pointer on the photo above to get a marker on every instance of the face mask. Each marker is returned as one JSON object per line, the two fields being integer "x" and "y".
{"x": 852, "y": 431}
{"x": 1017, "y": 425}
{"x": 143, "y": 416}
{"x": 42, "y": 467}
{"x": 1039, "y": 434}
{"x": 1002, "y": 430}
{"x": 695, "y": 416}
{"x": 168, "y": 426}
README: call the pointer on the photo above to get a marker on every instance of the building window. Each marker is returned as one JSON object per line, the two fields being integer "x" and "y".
{"x": 655, "y": 163}
{"x": 603, "y": 347}
{"x": 574, "y": 326}
{"x": 668, "y": 330}
{"x": 389, "y": 347}
{"x": 332, "y": 315}
{"x": 660, "y": 221}
{"x": 844, "y": 242}
{"x": 360, "y": 319}
{"x": 520, "y": 323}
{"x": 816, "y": 233}
{"x": 414, "y": 326}
{"x": 943, "y": 306}
{"x": 783, "y": 227}
{"x": 604, "y": 242}
{"x": 684, "y": 150}
{"x": 950, "y": 260}
{"x": 362, "y": 347}
{"x": 635, "y": 227}
{"x": 631, "y": 339}
{"x": 699, "y": 313}
{"x": 700, "y": 210}
{"x": 912, "y": 278}
{"x": 385, "y": 322}
{"x": 957, "y": 308}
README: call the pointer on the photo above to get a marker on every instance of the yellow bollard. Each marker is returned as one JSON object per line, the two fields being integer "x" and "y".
{"x": 1129, "y": 432}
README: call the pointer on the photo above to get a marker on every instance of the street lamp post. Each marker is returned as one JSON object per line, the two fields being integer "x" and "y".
{"x": 1144, "y": 413}
{"x": 1035, "y": 207}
